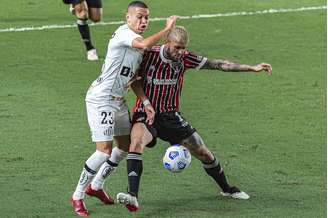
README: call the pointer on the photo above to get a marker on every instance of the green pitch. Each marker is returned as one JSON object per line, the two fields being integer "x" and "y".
{"x": 268, "y": 132}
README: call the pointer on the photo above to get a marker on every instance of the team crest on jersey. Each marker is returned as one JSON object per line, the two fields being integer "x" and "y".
{"x": 100, "y": 79}
{"x": 176, "y": 67}
{"x": 151, "y": 69}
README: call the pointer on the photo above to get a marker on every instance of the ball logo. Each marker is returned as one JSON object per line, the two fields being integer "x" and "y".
{"x": 181, "y": 165}
{"x": 167, "y": 166}
{"x": 173, "y": 154}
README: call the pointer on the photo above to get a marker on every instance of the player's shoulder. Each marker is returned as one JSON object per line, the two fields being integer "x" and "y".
{"x": 124, "y": 30}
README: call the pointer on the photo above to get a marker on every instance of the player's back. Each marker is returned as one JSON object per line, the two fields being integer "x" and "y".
{"x": 120, "y": 65}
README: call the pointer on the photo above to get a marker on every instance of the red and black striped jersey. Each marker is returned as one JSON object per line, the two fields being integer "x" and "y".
{"x": 163, "y": 78}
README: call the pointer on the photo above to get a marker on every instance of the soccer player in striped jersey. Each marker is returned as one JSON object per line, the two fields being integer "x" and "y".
{"x": 162, "y": 71}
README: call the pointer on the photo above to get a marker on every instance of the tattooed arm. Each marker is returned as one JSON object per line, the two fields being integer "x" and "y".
{"x": 229, "y": 66}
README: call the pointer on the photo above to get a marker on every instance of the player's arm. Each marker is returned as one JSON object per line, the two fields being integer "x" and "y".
{"x": 150, "y": 41}
{"x": 136, "y": 87}
{"x": 229, "y": 66}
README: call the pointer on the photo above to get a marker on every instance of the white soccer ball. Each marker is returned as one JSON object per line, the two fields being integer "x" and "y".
{"x": 176, "y": 158}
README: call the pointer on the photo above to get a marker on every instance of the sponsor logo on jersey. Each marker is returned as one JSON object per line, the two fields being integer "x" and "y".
{"x": 162, "y": 81}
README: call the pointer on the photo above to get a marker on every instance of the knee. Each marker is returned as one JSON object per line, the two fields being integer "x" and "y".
{"x": 136, "y": 145}
{"x": 95, "y": 14}
{"x": 95, "y": 18}
{"x": 204, "y": 155}
{"x": 124, "y": 147}
{"x": 105, "y": 147}
{"x": 81, "y": 13}
{"x": 208, "y": 157}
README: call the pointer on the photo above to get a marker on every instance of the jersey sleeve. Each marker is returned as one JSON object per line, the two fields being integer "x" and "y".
{"x": 142, "y": 67}
{"x": 127, "y": 36}
{"x": 193, "y": 61}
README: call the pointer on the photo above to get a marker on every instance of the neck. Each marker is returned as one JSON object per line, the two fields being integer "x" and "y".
{"x": 166, "y": 54}
{"x": 130, "y": 27}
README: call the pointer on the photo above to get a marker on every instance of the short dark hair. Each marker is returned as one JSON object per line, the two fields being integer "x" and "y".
{"x": 138, "y": 4}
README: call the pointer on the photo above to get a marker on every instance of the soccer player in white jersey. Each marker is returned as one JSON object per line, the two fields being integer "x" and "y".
{"x": 84, "y": 10}
{"x": 108, "y": 115}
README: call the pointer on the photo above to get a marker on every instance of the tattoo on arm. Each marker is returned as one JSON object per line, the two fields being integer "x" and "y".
{"x": 225, "y": 65}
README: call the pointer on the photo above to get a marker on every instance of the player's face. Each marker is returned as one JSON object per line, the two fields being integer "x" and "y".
{"x": 137, "y": 19}
{"x": 176, "y": 49}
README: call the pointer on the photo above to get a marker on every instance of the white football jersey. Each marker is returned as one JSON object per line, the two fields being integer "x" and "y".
{"x": 121, "y": 63}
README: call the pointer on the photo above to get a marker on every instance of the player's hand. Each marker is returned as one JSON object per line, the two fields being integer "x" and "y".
{"x": 263, "y": 66}
{"x": 150, "y": 114}
{"x": 170, "y": 22}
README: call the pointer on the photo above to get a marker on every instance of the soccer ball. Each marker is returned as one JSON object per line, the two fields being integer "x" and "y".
{"x": 176, "y": 158}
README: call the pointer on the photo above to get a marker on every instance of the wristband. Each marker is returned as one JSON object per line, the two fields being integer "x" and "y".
{"x": 146, "y": 102}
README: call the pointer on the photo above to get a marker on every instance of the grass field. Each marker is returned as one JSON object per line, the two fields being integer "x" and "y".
{"x": 268, "y": 132}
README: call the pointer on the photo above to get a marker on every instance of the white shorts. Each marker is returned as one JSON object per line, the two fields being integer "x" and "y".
{"x": 110, "y": 120}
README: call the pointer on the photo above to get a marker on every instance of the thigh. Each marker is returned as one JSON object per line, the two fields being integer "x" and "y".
{"x": 140, "y": 137}
{"x": 123, "y": 142}
{"x": 101, "y": 121}
{"x": 197, "y": 148}
{"x": 143, "y": 132}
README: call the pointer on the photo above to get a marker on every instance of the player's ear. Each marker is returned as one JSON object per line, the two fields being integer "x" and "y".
{"x": 166, "y": 39}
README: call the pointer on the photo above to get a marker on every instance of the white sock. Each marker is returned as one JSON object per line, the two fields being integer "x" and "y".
{"x": 88, "y": 172}
{"x": 108, "y": 168}
{"x": 117, "y": 155}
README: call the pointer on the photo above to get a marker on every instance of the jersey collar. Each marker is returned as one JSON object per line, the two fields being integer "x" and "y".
{"x": 161, "y": 53}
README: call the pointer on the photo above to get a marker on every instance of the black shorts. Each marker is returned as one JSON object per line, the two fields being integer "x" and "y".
{"x": 169, "y": 126}
{"x": 90, "y": 3}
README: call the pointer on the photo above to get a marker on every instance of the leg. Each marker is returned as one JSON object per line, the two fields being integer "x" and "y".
{"x": 95, "y": 10}
{"x": 95, "y": 14}
{"x": 101, "y": 122}
{"x": 82, "y": 15}
{"x": 140, "y": 137}
{"x": 211, "y": 165}
{"x": 122, "y": 137}
{"x": 118, "y": 154}
{"x": 90, "y": 168}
